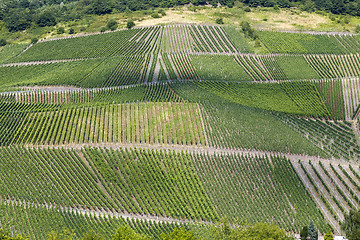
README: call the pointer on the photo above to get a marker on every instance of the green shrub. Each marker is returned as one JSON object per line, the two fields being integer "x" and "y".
{"x": 112, "y": 25}
{"x": 60, "y": 30}
{"x": 162, "y": 12}
{"x": 219, "y": 21}
{"x": 130, "y": 23}
{"x": 155, "y": 15}
{"x": 34, "y": 40}
{"x": 357, "y": 28}
{"x": 2, "y": 42}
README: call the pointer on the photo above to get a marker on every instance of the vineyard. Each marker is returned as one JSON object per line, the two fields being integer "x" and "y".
{"x": 257, "y": 187}
{"x": 179, "y": 126}
{"x": 46, "y": 220}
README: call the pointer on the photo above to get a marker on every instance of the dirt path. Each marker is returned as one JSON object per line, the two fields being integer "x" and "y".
{"x": 103, "y": 213}
{"x": 346, "y": 99}
{"x": 197, "y": 149}
{"x": 43, "y": 62}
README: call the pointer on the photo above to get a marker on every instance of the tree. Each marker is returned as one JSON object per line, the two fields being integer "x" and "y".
{"x": 258, "y": 231}
{"x": 261, "y": 231}
{"x": 100, "y": 7}
{"x": 178, "y": 234}
{"x": 351, "y": 225}
{"x": 112, "y": 24}
{"x": 125, "y": 232}
{"x": 130, "y": 23}
{"x": 17, "y": 19}
{"x": 71, "y": 31}
{"x": 329, "y": 236}
{"x": 313, "y": 234}
{"x": 46, "y": 19}
{"x": 2, "y": 42}
{"x": 283, "y": 3}
{"x": 304, "y": 233}
{"x": 248, "y": 31}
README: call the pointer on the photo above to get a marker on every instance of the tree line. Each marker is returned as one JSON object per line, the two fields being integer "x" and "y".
{"x": 22, "y": 14}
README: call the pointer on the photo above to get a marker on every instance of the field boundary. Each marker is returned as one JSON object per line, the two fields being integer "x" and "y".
{"x": 195, "y": 150}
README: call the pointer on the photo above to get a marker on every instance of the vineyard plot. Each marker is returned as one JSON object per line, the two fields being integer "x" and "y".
{"x": 229, "y": 125}
{"x": 331, "y": 91}
{"x": 126, "y": 181}
{"x": 237, "y": 38}
{"x": 130, "y": 70}
{"x": 296, "y": 67}
{"x": 152, "y": 123}
{"x": 257, "y": 189}
{"x": 182, "y": 66}
{"x": 269, "y": 96}
{"x": 335, "y": 188}
{"x": 38, "y": 221}
{"x": 219, "y": 68}
{"x": 351, "y": 93}
{"x": 335, "y": 66}
{"x": 10, "y": 51}
{"x": 301, "y": 43}
{"x": 306, "y": 96}
{"x": 211, "y": 39}
{"x": 177, "y": 39}
{"x": 160, "y": 92}
{"x": 124, "y": 42}
{"x": 67, "y": 73}
{"x": 337, "y": 138}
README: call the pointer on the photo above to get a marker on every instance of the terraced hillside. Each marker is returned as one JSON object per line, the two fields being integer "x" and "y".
{"x": 179, "y": 125}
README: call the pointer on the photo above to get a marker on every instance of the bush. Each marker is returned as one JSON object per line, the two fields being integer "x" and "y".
{"x": 60, "y": 30}
{"x": 103, "y": 29}
{"x": 247, "y": 9}
{"x": 162, "y": 12}
{"x": 34, "y": 40}
{"x": 219, "y": 21}
{"x": 2, "y": 42}
{"x": 130, "y": 23}
{"x": 112, "y": 25}
{"x": 71, "y": 31}
{"x": 357, "y": 28}
{"x": 155, "y": 15}
{"x": 248, "y": 31}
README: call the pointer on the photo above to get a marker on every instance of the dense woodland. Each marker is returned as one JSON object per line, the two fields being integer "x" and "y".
{"x": 22, "y": 14}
